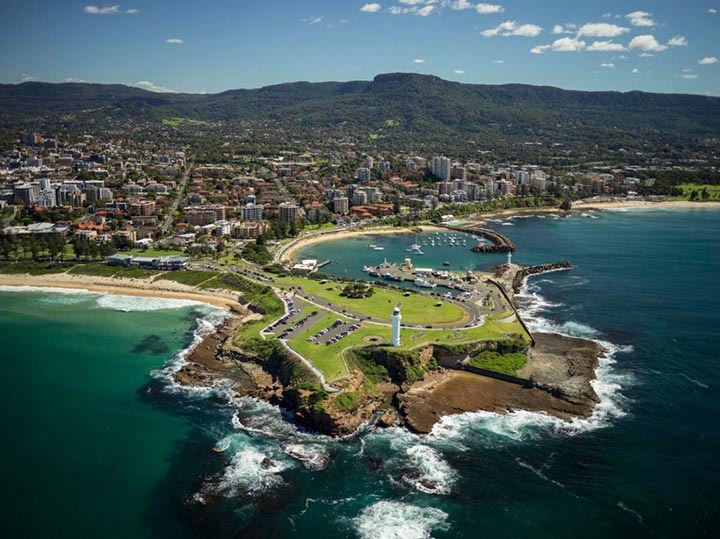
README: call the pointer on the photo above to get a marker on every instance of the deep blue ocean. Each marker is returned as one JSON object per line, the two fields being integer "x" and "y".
{"x": 97, "y": 442}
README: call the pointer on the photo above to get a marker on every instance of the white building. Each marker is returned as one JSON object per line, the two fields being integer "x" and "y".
{"x": 396, "y": 318}
{"x": 441, "y": 167}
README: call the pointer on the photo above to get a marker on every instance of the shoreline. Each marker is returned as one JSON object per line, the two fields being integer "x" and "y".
{"x": 124, "y": 287}
{"x": 629, "y": 204}
{"x": 290, "y": 251}
{"x": 305, "y": 241}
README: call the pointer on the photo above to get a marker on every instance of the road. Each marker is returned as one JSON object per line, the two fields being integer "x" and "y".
{"x": 176, "y": 203}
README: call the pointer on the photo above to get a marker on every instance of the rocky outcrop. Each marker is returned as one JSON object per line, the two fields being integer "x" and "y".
{"x": 418, "y": 386}
{"x": 564, "y": 367}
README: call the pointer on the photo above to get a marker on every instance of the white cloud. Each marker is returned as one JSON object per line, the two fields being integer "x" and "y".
{"x": 708, "y": 60}
{"x": 425, "y": 11}
{"x": 418, "y": 61}
{"x": 71, "y": 79}
{"x": 317, "y": 20}
{"x": 689, "y": 76}
{"x": 646, "y": 42}
{"x": 487, "y": 9}
{"x": 152, "y": 87}
{"x": 412, "y": 2}
{"x": 512, "y": 28}
{"x": 564, "y": 44}
{"x": 640, "y": 18}
{"x": 635, "y": 70}
{"x": 712, "y": 10}
{"x": 567, "y": 44}
{"x": 678, "y": 41}
{"x": 109, "y": 10}
{"x": 174, "y": 41}
{"x": 527, "y": 30}
{"x": 607, "y": 65}
{"x": 646, "y": 55}
{"x": 605, "y": 46}
{"x": 459, "y": 5}
{"x": 498, "y": 61}
{"x": 562, "y": 29}
{"x": 459, "y": 72}
{"x": 602, "y": 29}
{"x": 371, "y": 8}
{"x": 27, "y": 78}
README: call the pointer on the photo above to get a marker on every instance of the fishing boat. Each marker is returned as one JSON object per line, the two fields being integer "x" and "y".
{"x": 376, "y": 248}
{"x": 422, "y": 283}
{"x": 446, "y": 263}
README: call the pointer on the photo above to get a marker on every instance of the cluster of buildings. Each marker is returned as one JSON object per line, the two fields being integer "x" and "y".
{"x": 127, "y": 191}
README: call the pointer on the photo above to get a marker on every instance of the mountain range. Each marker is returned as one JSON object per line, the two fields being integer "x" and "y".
{"x": 397, "y": 105}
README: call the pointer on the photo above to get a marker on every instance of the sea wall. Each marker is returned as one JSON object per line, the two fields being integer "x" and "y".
{"x": 501, "y": 244}
{"x": 533, "y": 270}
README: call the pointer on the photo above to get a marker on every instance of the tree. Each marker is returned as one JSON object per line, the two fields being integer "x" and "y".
{"x": 80, "y": 247}
{"x": 566, "y": 205}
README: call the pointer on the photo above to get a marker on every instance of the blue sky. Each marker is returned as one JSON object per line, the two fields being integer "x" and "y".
{"x": 215, "y": 45}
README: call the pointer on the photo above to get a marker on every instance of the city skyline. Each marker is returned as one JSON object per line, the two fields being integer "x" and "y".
{"x": 188, "y": 46}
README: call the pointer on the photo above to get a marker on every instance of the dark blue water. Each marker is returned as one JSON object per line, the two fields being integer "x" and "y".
{"x": 645, "y": 465}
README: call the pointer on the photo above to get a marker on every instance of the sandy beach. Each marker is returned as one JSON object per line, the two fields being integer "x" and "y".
{"x": 127, "y": 287}
{"x": 291, "y": 249}
{"x": 643, "y": 204}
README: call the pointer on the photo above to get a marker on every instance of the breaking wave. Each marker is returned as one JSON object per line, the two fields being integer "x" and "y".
{"x": 521, "y": 424}
{"x": 143, "y": 303}
{"x": 251, "y": 472}
{"x": 398, "y": 520}
{"x": 429, "y": 472}
{"x": 210, "y": 319}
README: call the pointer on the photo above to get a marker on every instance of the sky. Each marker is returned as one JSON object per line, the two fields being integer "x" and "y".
{"x": 215, "y": 45}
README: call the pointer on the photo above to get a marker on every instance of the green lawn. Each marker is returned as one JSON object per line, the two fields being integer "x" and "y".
{"x": 504, "y": 363}
{"x": 713, "y": 191}
{"x": 190, "y": 278}
{"x": 328, "y": 359}
{"x": 136, "y": 273}
{"x": 32, "y": 268}
{"x": 96, "y": 270}
{"x": 416, "y": 308}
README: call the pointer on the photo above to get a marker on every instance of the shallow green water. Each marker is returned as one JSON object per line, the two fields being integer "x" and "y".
{"x": 84, "y": 445}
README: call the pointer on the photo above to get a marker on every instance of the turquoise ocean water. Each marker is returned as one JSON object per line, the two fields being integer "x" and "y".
{"x": 97, "y": 442}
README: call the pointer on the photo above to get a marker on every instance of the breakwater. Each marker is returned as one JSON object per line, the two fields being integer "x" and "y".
{"x": 500, "y": 243}
{"x": 533, "y": 270}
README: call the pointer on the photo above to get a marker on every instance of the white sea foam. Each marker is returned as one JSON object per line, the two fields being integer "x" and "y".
{"x": 429, "y": 473}
{"x": 397, "y": 520}
{"x": 315, "y": 457}
{"x": 211, "y": 319}
{"x": 520, "y": 424}
{"x": 696, "y": 382}
{"x": 45, "y": 289}
{"x": 251, "y": 472}
{"x": 142, "y": 303}
{"x": 538, "y": 472}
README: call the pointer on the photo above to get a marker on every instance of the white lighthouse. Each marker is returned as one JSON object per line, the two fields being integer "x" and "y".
{"x": 396, "y": 317}
{"x": 509, "y": 258}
